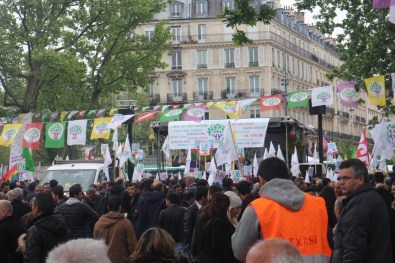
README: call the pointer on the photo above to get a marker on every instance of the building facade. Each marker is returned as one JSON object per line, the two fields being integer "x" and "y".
{"x": 287, "y": 55}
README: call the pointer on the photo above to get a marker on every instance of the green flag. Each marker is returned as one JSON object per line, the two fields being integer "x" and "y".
{"x": 298, "y": 99}
{"x": 29, "y": 163}
{"x": 55, "y": 134}
{"x": 354, "y": 153}
{"x": 171, "y": 115}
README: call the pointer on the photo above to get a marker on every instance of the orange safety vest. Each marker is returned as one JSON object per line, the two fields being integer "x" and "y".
{"x": 306, "y": 229}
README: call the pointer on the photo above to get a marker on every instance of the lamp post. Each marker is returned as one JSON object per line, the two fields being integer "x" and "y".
{"x": 284, "y": 82}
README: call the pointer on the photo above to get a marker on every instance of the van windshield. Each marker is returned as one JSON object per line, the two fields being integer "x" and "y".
{"x": 67, "y": 178}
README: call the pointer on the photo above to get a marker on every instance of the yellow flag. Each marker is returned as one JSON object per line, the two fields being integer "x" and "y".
{"x": 63, "y": 115}
{"x": 210, "y": 104}
{"x": 100, "y": 128}
{"x": 231, "y": 108}
{"x": 376, "y": 90}
{"x": 112, "y": 111}
{"x": 9, "y": 133}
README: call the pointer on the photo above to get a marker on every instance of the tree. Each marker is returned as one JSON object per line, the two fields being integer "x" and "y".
{"x": 70, "y": 53}
{"x": 367, "y": 41}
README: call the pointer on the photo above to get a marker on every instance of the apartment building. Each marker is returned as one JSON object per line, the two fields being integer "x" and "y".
{"x": 287, "y": 55}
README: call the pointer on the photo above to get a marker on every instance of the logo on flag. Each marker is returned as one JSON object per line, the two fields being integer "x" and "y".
{"x": 271, "y": 102}
{"x": 55, "y": 131}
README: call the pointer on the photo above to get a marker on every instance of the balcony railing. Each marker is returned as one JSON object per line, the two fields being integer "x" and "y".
{"x": 229, "y": 65}
{"x": 277, "y": 91}
{"x": 203, "y": 96}
{"x": 176, "y": 67}
{"x": 171, "y": 97}
{"x": 202, "y": 66}
{"x": 253, "y": 64}
{"x": 238, "y": 94}
{"x": 154, "y": 98}
{"x": 256, "y": 93}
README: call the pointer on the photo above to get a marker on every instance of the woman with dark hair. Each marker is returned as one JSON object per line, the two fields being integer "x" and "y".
{"x": 155, "y": 246}
{"x": 213, "y": 231}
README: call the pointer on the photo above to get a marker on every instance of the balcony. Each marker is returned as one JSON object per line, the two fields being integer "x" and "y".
{"x": 253, "y": 64}
{"x": 229, "y": 65}
{"x": 176, "y": 67}
{"x": 154, "y": 98}
{"x": 239, "y": 94}
{"x": 203, "y": 96}
{"x": 201, "y": 66}
{"x": 256, "y": 93}
{"x": 344, "y": 115}
{"x": 171, "y": 97}
{"x": 277, "y": 91}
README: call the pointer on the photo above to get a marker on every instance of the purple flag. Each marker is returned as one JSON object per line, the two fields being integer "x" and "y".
{"x": 381, "y": 3}
{"x": 347, "y": 94}
{"x": 195, "y": 113}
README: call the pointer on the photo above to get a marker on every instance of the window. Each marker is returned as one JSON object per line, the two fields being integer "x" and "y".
{"x": 201, "y": 8}
{"x": 253, "y": 56}
{"x": 176, "y": 32}
{"x": 284, "y": 61}
{"x": 255, "y": 112}
{"x": 149, "y": 34}
{"x": 201, "y": 58}
{"x": 176, "y": 60}
{"x": 203, "y": 87}
{"x": 152, "y": 88}
{"x": 177, "y": 88}
{"x": 230, "y": 86}
{"x": 229, "y": 58}
{"x": 254, "y": 86}
{"x": 202, "y": 32}
{"x": 273, "y": 58}
{"x": 230, "y": 4}
{"x": 176, "y": 9}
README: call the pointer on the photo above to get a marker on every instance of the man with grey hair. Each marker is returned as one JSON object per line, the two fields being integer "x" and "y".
{"x": 363, "y": 231}
{"x": 20, "y": 208}
{"x": 83, "y": 250}
{"x": 273, "y": 251}
{"x": 10, "y": 230}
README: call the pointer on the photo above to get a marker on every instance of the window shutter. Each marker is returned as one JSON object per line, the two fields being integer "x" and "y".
{"x": 260, "y": 55}
{"x": 210, "y": 58}
{"x": 193, "y": 59}
{"x": 245, "y": 56}
{"x": 237, "y": 57}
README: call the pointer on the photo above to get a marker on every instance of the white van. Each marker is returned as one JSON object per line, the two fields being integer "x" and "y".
{"x": 77, "y": 172}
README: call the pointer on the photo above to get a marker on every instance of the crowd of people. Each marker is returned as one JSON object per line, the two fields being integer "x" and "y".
{"x": 270, "y": 218}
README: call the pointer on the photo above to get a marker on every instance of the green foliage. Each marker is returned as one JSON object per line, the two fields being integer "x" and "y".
{"x": 366, "y": 43}
{"x": 246, "y": 12}
{"x": 87, "y": 48}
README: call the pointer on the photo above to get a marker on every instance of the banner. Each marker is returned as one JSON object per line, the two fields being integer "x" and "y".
{"x": 271, "y": 102}
{"x": 250, "y": 133}
{"x": 118, "y": 120}
{"x": 322, "y": 96}
{"x": 76, "y": 132}
{"x": 145, "y": 116}
{"x": 231, "y": 108}
{"x": 298, "y": 99}
{"x": 135, "y": 148}
{"x": 375, "y": 87}
{"x": 9, "y": 133}
{"x": 100, "y": 128}
{"x": 32, "y": 136}
{"x": 195, "y": 113}
{"x": 55, "y": 134}
{"x": 171, "y": 115}
{"x": 204, "y": 148}
{"x": 347, "y": 94}
{"x": 226, "y": 152}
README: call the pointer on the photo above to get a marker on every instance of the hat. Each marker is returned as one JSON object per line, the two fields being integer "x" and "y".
{"x": 235, "y": 200}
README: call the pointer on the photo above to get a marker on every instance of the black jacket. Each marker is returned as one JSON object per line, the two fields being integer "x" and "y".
{"x": 363, "y": 232}
{"x": 45, "y": 233}
{"x": 189, "y": 222}
{"x": 79, "y": 217}
{"x": 212, "y": 241}
{"x": 171, "y": 219}
{"x": 19, "y": 208}
{"x": 117, "y": 190}
{"x": 10, "y": 230}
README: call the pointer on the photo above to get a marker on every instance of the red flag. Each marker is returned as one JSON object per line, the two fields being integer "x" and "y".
{"x": 271, "y": 102}
{"x": 11, "y": 175}
{"x": 32, "y": 136}
{"x": 363, "y": 150}
{"x": 145, "y": 116}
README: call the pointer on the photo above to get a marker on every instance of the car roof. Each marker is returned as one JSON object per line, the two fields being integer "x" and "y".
{"x": 76, "y": 166}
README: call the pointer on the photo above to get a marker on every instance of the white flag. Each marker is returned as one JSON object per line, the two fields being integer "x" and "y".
{"x": 329, "y": 174}
{"x": 295, "y": 164}
{"x": 1, "y": 171}
{"x": 307, "y": 177}
{"x": 107, "y": 159}
{"x": 272, "y": 150}
{"x": 115, "y": 140}
{"x": 316, "y": 158}
{"x": 329, "y": 157}
{"x": 244, "y": 104}
{"x": 118, "y": 120}
{"x": 280, "y": 153}
{"x": 383, "y": 164}
{"x": 393, "y": 74}
{"x": 166, "y": 147}
{"x": 188, "y": 162}
{"x": 265, "y": 154}
{"x": 67, "y": 158}
{"x": 127, "y": 153}
{"x": 322, "y": 96}
{"x": 212, "y": 169}
{"x": 118, "y": 154}
{"x": 255, "y": 166}
{"x": 76, "y": 132}
{"x": 226, "y": 152}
